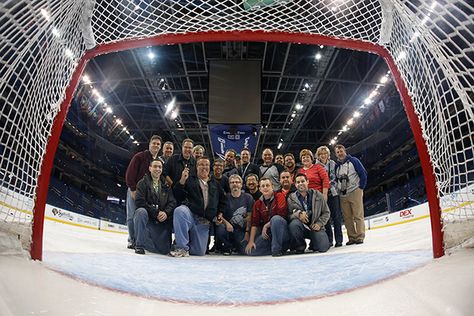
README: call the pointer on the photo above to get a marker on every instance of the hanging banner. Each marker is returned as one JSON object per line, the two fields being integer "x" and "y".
{"x": 237, "y": 137}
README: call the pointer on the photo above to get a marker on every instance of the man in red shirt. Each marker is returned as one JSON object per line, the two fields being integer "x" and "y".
{"x": 137, "y": 168}
{"x": 269, "y": 219}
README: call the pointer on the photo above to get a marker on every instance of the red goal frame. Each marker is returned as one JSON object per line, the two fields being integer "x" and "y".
{"x": 36, "y": 250}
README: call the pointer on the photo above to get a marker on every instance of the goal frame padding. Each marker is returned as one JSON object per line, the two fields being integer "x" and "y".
{"x": 250, "y": 36}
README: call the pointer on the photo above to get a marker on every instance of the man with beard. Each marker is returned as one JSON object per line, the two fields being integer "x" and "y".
{"x": 217, "y": 174}
{"x": 290, "y": 165}
{"x": 234, "y": 224}
{"x": 280, "y": 160}
{"x": 286, "y": 184}
{"x": 252, "y": 186}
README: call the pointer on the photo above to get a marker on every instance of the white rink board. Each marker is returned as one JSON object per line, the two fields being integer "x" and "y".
{"x": 68, "y": 217}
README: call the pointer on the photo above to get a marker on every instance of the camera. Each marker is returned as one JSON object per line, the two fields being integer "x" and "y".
{"x": 343, "y": 181}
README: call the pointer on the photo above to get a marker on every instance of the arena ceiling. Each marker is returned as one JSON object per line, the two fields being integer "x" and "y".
{"x": 309, "y": 93}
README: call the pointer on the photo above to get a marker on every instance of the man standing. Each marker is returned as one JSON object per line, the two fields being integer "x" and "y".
{"x": 280, "y": 160}
{"x": 153, "y": 216}
{"x": 167, "y": 151}
{"x": 246, "y": 167}
{"x": 269, "y": 221}
{"x": 230, "y": 166}
{"x": 234, "y": 224}
{"x": 309, "y": 213}
{"x": 217, "y": 173}
{"x": 176, "y": 164}
{"x": 290, "y": 165}
{"x": 136, "y": 169}
{"x": 351, "y": 181}
{"x": 198, "y": 151}
{"x": 271, "y": 170}
{"x": 203, "y": 197}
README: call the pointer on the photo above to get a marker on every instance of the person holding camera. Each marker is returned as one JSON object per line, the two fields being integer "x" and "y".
{"x": 351, "y": 181}
{"x": 308, "y": 214}
{"x": 153, "y": 216}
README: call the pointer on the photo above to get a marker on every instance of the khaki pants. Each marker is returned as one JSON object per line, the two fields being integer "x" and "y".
{"x": 352, "y": 207}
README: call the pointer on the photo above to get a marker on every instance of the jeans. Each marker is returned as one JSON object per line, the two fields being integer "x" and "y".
{"x": 229, "y": 240}
{"x": 278, "y": 241}
{"x": 319, "y": 239}
{"x": 336, "y": 219}
{"x": 131, "y": 207}
{"x": 190, "y": 234}
{"x": 152, "y": 235}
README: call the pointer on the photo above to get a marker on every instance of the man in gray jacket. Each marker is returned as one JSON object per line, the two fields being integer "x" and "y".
{"x": 308, "y": 213}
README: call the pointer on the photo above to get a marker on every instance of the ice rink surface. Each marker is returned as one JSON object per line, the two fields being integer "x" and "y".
{"x": 89, "y": 272}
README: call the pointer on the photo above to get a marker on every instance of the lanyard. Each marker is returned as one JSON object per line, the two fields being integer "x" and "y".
{"x": 242, "y": 174}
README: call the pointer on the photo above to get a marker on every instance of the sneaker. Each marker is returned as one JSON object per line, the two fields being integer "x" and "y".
{"x": 338, "y": 244}
{"x": 179, "y": 252}
{"x": 358, "y": 242}
{"x": 350, "y": 242}
{"x": 131, "y": 245}
{"x": 299, "y": 251}
{"x": 277, "y": 254}
{"x": 227, "y": 252}
{"x": 139, "y": 251}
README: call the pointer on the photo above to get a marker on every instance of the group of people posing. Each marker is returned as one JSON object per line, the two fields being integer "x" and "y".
{"x": 270, "y": 209}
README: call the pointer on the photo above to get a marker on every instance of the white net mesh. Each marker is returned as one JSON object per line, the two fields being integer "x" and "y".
{"x": 42, "y": 42}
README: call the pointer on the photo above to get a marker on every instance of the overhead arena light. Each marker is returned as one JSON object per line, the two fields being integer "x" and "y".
{"x": 170, "y": 106}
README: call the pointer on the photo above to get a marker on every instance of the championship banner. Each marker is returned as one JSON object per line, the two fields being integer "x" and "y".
{"x": 237, "y": 137}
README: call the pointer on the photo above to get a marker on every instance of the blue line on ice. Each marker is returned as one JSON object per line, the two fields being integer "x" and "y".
{"x": 235, "y": 280}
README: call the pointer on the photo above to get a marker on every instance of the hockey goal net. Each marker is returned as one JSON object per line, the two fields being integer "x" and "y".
{"x": 45, "y": 45}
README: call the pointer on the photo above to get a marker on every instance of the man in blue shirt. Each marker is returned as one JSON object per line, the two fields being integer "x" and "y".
{"x": 351, "y": 181}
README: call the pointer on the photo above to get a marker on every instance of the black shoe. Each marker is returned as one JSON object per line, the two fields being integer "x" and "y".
{"x": 227, "y": 252}
{"x": 350, "y": 242}
{"x": 277, "y": 254}
{"x": 139, "y": 251}
{"x": 131, "y": 245}
{"x": 338, "y": 244}
{"x": 212, "y": 249}
{"x": 299, "y": 251}
{"x": 358, "y": 242}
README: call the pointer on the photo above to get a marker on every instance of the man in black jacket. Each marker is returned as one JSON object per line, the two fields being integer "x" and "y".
{"x": 203, "y": 198}
{"x": 153, "y": 217}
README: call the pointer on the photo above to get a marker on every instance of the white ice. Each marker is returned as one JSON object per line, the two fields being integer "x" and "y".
{"x": 442, "y": 287}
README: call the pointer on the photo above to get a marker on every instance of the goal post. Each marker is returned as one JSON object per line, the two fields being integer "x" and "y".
{"x": 255, "y": 36}
{"x": 426, "y": 44}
